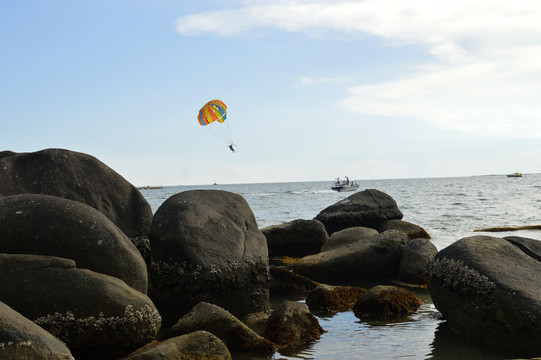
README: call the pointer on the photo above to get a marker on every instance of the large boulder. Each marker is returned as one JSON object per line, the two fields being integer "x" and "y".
{"x": 374, "y": 258}
{"x": 78, "y": 177}
{"x": 206, "y": 246}
{"x": 348, "y": 236}
{"x": 238, "y": 337}
{"x": 297, "y": 238}
{"x": 487, "y": 289}
{"x": 21, "y": 338}
{"x": 96, "y": 315}
{"x": 200, "y": 345}
{"x": 415, "y": 259}
{"x": 368, "y": 208}
{"x": 50, "y": 225}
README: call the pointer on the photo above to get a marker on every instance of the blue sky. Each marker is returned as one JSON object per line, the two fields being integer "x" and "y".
{"x": 315, "y": 89}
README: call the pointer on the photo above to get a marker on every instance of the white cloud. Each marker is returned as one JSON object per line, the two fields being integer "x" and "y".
{"x": 488, "y": 69}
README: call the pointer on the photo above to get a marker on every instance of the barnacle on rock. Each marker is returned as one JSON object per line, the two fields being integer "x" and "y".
{"x": 143, "y": 322}
{"x": 458, "y": 276}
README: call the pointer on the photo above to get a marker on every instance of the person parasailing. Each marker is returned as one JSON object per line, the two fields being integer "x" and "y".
{"x": 214, "y": 113}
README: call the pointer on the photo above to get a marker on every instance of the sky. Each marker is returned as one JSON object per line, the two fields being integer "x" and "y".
{"x": 315, "y": 90}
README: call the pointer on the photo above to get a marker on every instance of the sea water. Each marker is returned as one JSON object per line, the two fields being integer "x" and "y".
{"x": 447, "y": 208}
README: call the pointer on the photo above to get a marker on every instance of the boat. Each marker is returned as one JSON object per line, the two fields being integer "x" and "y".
{"x": 149, "y": 187}
{"x": 344, "y": 185}
{"x": 515, "y": 174}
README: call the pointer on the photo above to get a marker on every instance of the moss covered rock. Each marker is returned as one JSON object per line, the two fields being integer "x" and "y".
{"x": 327, "y": 299}
{"x": 386, "y": 300}
{"x": 292, "y": 325}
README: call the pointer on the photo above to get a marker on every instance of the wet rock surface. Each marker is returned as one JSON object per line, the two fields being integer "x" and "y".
{"x": 291, "y": 325}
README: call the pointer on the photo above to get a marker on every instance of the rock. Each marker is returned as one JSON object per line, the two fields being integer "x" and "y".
{"x": 50, "y": 225}
{"x": 328, "y": 300}
{"x": 206, "y": 246}
{"x": 286, "y": 282}
{"x": 368, "y": 208}
{"x": 487, "y": 289}
{"x": 375, "y": 258}
{"x": 238, "y": 337}
{"x": 415, "y": 259}
{"x": 530, "y": 247}
{"x": 348, "y": 236}
{"x": 98, "y": 316}
{"x": 297, "y": 238}
{"x": 21, "y": 338}
{"x": 78, "y": 177}
{"x": 412, "y": 230}
{"x": 292, "y": 325}
{"x": 142, "y": 243}
{"x": 199, "y": 345}
{"x": 386, "y": 300}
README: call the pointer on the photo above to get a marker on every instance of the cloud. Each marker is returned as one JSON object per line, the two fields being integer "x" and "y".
{"x": 487, "y": 67}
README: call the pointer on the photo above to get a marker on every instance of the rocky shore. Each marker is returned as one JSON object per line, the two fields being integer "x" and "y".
{"x": 88, "y": 272}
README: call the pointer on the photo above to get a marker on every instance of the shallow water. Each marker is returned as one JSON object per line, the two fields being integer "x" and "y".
{"x": 448, "y": 208}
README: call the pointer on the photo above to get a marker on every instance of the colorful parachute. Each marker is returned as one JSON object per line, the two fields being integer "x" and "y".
{"x": 214, "y": 110}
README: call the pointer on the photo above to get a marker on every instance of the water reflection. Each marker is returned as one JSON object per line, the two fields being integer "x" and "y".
{"x": 447, "y": 345}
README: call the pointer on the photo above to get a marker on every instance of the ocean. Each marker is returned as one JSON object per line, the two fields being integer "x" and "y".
{"x": 447, "y": 208}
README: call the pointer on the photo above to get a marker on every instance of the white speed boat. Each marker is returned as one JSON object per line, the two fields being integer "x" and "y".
{"x": 345, "y": 185}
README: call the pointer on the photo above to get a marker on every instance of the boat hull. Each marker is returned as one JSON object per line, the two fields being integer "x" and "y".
{"x": 342, "y": 188}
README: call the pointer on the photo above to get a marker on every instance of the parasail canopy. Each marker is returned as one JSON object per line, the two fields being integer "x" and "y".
{"x": 214, "y": 110}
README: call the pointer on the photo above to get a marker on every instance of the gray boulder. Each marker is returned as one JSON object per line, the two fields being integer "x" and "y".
{"x": 98, "y": 316}
{"x": 50, "y": 225}
{"x": 78, "y": 177}
{"x": 488, "y": 291}
{"x": 375, "y": 258}
{"x": 197, "y": 345}
{"x": 368, "y": 208}
{"x": 206, "y": 246}
{"x": 415, "y": 259}
{"x": 238, "y": 337}
{"x": 297, "y": 238}
{"x": 21, "y": 338}
{"x": 412, "y": 230}
{"x": 348, "y": 236}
